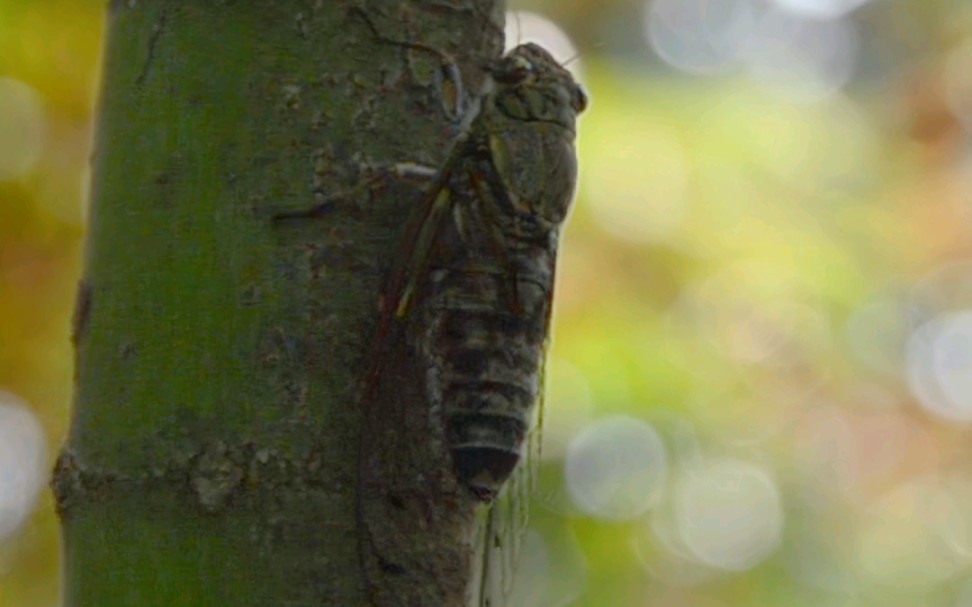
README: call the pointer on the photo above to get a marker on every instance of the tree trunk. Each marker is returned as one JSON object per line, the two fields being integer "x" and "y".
{"x": 213, "y": 457}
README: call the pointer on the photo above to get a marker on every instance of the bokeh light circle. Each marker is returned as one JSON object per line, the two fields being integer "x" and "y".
{"x": 550, "y": 572}
{"x": 805, "y": 60}
{"x": 22, "y": 128}
{"x": 939, "y": 365}
{"x": 699, "y": 36}
{"x": 616, "y": 468}
{"x": 821, "y": 9}
{"x": 23, "y": 462}
{"x": 728, "y": 513}
{"x": 524, "y": 26}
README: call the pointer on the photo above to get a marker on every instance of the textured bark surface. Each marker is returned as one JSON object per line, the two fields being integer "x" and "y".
{"x": 213, "y": 454}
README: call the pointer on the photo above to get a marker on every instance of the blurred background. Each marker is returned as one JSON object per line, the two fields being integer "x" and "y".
{"x": 760, "y": 384}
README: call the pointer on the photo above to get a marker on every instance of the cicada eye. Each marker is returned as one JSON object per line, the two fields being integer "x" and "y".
{"x": 579, "y": 101}
{"x": 513, "y": 70}
{"x": 522, "y": 65}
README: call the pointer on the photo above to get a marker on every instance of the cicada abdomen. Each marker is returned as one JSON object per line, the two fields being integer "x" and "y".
{"x": 477, "y": 282}
{"x": 485, "y": 323}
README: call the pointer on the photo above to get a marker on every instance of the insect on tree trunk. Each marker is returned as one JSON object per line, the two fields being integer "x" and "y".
{"x": 213, "y": 453}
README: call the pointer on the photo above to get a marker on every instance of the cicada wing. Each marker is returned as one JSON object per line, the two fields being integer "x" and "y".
{"x": 503, "y": 527}
{"x": 411, "y": 261}
{"x": 420, "y": 236}
{"x": 394, "y": 452}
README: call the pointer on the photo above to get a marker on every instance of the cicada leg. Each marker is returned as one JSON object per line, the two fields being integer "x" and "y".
{"x": 375, "y": 179}
{"x": 454, "y": 99}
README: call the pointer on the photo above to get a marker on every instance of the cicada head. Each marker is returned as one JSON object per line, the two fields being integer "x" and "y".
{"x": 531, "y": 86}
{"x": 532, "y": 110}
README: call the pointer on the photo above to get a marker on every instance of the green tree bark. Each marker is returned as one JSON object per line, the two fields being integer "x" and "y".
{"x": 213, "y": 452}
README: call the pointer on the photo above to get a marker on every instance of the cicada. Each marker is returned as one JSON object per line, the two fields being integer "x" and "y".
{"x": 474, "y": 285}
{"x": 462, "y": 331}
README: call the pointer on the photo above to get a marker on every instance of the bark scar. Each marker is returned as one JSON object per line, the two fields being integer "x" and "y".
{"x": 82, "y": 312}
{"x": 152, "y": 43}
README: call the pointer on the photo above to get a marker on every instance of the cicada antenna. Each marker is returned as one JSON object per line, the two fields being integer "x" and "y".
{"x": 515, "y": 15}
{"x": 577, "y": 55}
{"x": 570, "y": 59}
{"x": 519, "y": 28}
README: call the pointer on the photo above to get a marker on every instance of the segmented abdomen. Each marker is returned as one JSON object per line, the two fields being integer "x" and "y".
{"x": 486, "y": 329}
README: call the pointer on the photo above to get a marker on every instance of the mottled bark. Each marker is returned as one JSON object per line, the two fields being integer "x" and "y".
{"x": 213, "y": 457}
